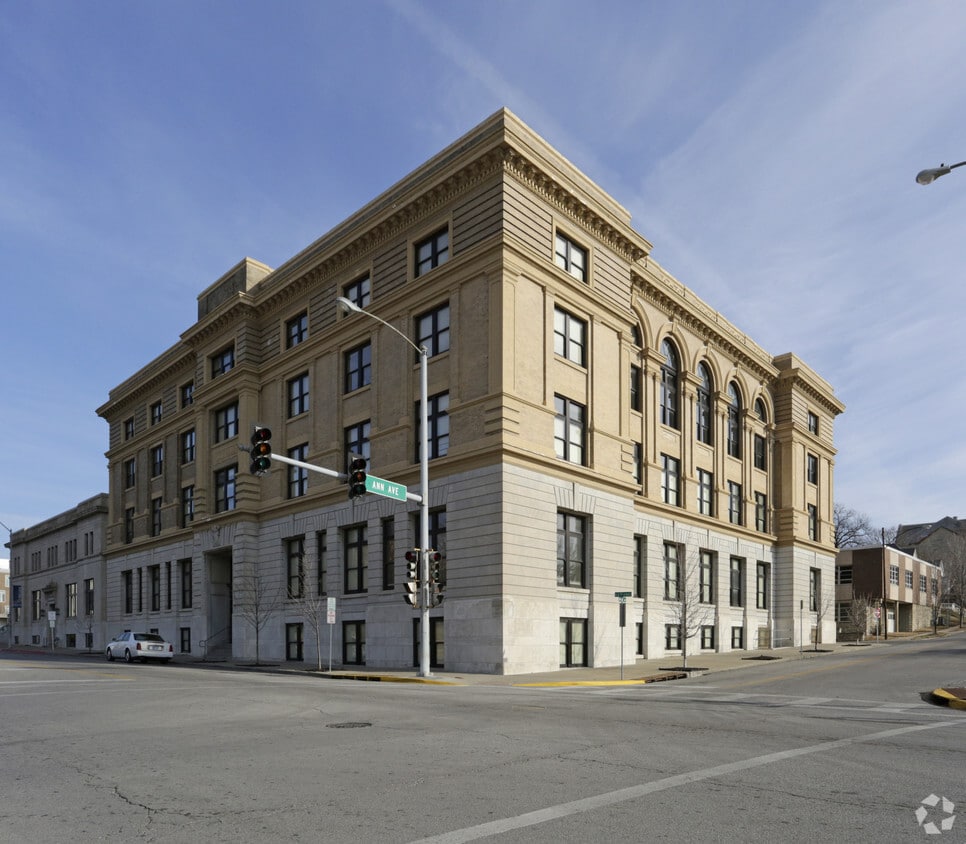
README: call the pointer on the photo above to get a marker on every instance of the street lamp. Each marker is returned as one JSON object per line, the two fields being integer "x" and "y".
{"x": 927, "y": 177}
{"x": 349, "y": 306}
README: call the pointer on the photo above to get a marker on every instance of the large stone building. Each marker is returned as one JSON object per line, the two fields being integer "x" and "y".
{"x": 58, "y": 578}
{"x": 594, "y": 428}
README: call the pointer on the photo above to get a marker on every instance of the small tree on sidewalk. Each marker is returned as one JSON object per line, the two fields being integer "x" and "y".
{"x": 689, "y": 583}
{"x": 313, "y": 608}
{"x": 857, "y": 614}
{"x": 256, "y": 601}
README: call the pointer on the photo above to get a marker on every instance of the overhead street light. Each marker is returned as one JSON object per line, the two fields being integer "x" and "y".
{"x": 927, "y": 177}
{"x": 349, "y": 306}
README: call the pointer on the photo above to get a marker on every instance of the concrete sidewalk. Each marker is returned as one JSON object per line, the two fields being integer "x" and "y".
{"x": 634, "y": 672}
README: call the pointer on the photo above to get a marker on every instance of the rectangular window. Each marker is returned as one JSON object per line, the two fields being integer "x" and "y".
{"x": 298, "y": 395}
{"x": 908, "y": 578}
{"x": 635, "y": 388}
{"x": 320, "y": 538}
{"x": 707, "y": 637}
{"x": 672, "y": 637}
{"x": 762, "y": 586}
{"x": 388, "y": 553}
{"x": 127, "y": 583}
{"x": 223, "y": 362}
{"x": 814, "y": 589}
{"x": 356, "y": 559}
{"x": 294, "y": 642}
{"x": 157, "y": 460}
{"x": 894, "y": 575}
{"x": 154, "y": 587}
{"x": 438, "y": 418}
{"x": 922, "y": 583}
{"x": 296, "y": 330}
{"x": 812, "y": 515}
{"x": 295, "y": 555}
{"x": 359, "y": 292}
{"x": 706, "y": 586}
{"x": 298, "y": 476}
{"x": 358, "y": 368}
{"x": 187, "y": 505}
{"x": 640, "y": 564}
{"x": 571, "y": 550}
{"x": 638, "y": 457}
{"x": 737, "y": 638}
{"x": 157, "y": 410}
{"x": 432, "y": 330}
{"x": 184, "y": 637}
{"x": 71, "y": 596}
{"x": 735, "y": 503}
{"x": 761, "y": 454}
{"x": 569, "y": 430}
{"x": 672, "y": 572}
{"x": 167, "y": 585}
{"x": 761, "y": 512}
{"x": 705, "y": 493}
{"x": 129, "y": 524}
{"x": 573, "y": 642}
{"x": 225, "y": 488}
{"x": 226, "y": 422}
{"x": 843, "y": 574}
{"x": 670, "y": 479}
{"x": 353, "y": 643}
{"x": 812, "y": 423}
{"x": 570, "y": 337}
{"x": 155, "y": 516}
{"x": 812, "y": 468}
{"x": 184, "y": 567}
{"x": 431, "y": 252}
{"x": 129, "y": 428}
{"x": 89, "y": 596}
{"x": 356, "y": 440}
{"x": 130, "y": 473}
{"x": 571, "y": 257}
{"x": 188, "y": 445}
{"x": 736, "y": 597}
{"x": 187, "y": 394}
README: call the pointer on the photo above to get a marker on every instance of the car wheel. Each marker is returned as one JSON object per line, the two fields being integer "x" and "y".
{"x": 110, "y": 655}
{"x": 127, "y": 656}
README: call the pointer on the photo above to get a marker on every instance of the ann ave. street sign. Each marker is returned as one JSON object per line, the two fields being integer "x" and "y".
{"x": 380, "y": 486}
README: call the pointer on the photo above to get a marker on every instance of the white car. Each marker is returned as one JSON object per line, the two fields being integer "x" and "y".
{"x": 142, "y": 646}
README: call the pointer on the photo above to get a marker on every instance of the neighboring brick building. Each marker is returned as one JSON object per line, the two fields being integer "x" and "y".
{"x": 594, "y": 427}
{"x": 905, "y": 588}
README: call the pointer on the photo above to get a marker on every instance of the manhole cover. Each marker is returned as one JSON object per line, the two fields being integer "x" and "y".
{"x": 348, "y": 725}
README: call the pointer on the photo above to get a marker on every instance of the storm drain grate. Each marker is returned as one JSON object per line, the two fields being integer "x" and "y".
{"x": 349, "y": 725}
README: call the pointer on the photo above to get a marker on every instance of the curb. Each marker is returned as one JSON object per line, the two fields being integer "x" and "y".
{"x": 639, "y": 682}
{"x": 941, "y": 697}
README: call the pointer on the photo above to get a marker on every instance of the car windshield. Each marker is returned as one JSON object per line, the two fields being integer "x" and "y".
{"x": 147, "y": 637}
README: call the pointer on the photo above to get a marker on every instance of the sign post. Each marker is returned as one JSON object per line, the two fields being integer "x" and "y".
{"x": 622, "y": 602}
{"x": 330, "y": 620}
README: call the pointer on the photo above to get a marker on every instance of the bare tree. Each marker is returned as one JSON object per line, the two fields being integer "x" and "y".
{"x": 823, "y": 603}
{"x": 954, "y": 575}
{"x": 256, "y": 601}
{"x": 314, "y": 609}
{"x": 853, "y": 529}
{"x": 691, "y": 586}
{"x": 858, "y": 613}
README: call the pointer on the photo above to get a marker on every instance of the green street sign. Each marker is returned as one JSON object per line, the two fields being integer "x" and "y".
{"x": 622, "y": 594}
{"x": 380, "y": 486}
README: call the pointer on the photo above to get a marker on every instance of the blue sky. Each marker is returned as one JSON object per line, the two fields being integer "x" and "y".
{"x": 767, "y": 149}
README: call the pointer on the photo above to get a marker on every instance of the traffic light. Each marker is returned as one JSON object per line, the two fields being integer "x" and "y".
{"x": 261, "y": 450}
{"x": 357, "y": 475}
{"x": 411, "y": 595}
{"x": 412, "y": 565}
{"x": 437, "y": 568}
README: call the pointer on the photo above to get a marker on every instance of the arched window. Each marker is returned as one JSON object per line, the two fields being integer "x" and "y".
{"x": 734, "y": 420}
{"x": 703, "y": 407}
{"x": 636, "y": 336}
{"x": 669, "y": 385}
{"x": 760, "y": 411}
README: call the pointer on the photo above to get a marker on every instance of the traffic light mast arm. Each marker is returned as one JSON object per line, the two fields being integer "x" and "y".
{"x": 312, "y": 468}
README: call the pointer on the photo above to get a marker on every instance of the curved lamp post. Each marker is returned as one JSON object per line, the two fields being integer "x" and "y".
{"x": 349, "y": 306}
{"x": 927, "y": 177}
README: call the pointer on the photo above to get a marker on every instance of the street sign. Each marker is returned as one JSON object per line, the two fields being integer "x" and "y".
{"x": 330, "y": 610}
{"x": 623, "y": 596}
{"x": 380, "y": 486}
